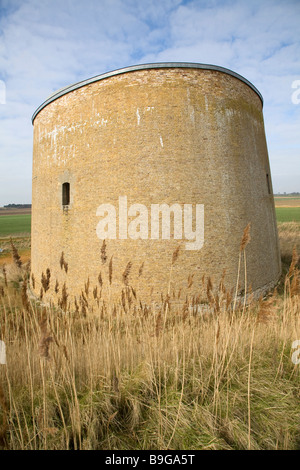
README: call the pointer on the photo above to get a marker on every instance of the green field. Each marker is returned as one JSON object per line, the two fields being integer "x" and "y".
{"x": 12, "y": 224}
{"x": 21, "y": 223}
{"x": 288, "y": 214}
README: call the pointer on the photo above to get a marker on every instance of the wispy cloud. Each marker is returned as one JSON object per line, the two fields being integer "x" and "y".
{"x": 45, "y": 45}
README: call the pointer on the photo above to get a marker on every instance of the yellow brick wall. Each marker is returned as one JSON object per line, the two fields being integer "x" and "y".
{"x": 175, "y": 135}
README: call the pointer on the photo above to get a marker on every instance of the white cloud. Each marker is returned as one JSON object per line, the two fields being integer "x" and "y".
{"x": 45, "y": 45}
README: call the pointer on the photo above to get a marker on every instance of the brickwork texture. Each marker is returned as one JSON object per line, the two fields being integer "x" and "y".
{"x": 173, "y": 135}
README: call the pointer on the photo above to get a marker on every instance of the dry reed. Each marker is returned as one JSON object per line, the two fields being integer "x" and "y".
{"x": 126, "y": 374}
{"x": 103, "y": 252}
{"x": 15, "y": 255}
{"x": 126, "y": 273}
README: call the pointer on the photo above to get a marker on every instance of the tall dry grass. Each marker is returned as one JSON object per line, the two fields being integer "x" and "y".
{"x": 131, "y": 376}
{"x": 289, "y": 237}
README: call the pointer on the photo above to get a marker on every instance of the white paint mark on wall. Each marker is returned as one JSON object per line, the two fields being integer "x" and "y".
{"x": 103, "y": 122}
{"x": 2, "y": 353}
{"x": 53, "y": 135}
{"x": 75, "y": 126}
{"x": 192, "y": 114}
{"x": 190, "y": 107}
{"x": 229, "y": 112}
{"x": 138, "y": 116}
{"x": 206, "y": 103}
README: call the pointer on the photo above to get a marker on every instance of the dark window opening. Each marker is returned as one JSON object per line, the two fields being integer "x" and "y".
{"x": 66, "y": 194}
{"x": 268, "y": 183}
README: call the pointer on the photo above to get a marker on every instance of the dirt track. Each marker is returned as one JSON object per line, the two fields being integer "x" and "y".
{"x": 287, "y": 202}
{"x": 15, "y": 211}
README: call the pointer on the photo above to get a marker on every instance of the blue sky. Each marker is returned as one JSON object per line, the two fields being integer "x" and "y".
{"x": 48, "y": 44}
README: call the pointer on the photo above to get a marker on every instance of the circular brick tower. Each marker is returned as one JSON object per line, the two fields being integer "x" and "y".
{"x": 151, "y": 158}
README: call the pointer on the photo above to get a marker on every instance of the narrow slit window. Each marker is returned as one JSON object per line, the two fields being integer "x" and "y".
{"x": 268, "y": 183}
{"x": 66, "y": 194}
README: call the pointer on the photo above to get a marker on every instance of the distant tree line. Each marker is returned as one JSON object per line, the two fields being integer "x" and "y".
{"x": 18, "y": 206}
{"x": 287, "y": 194}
